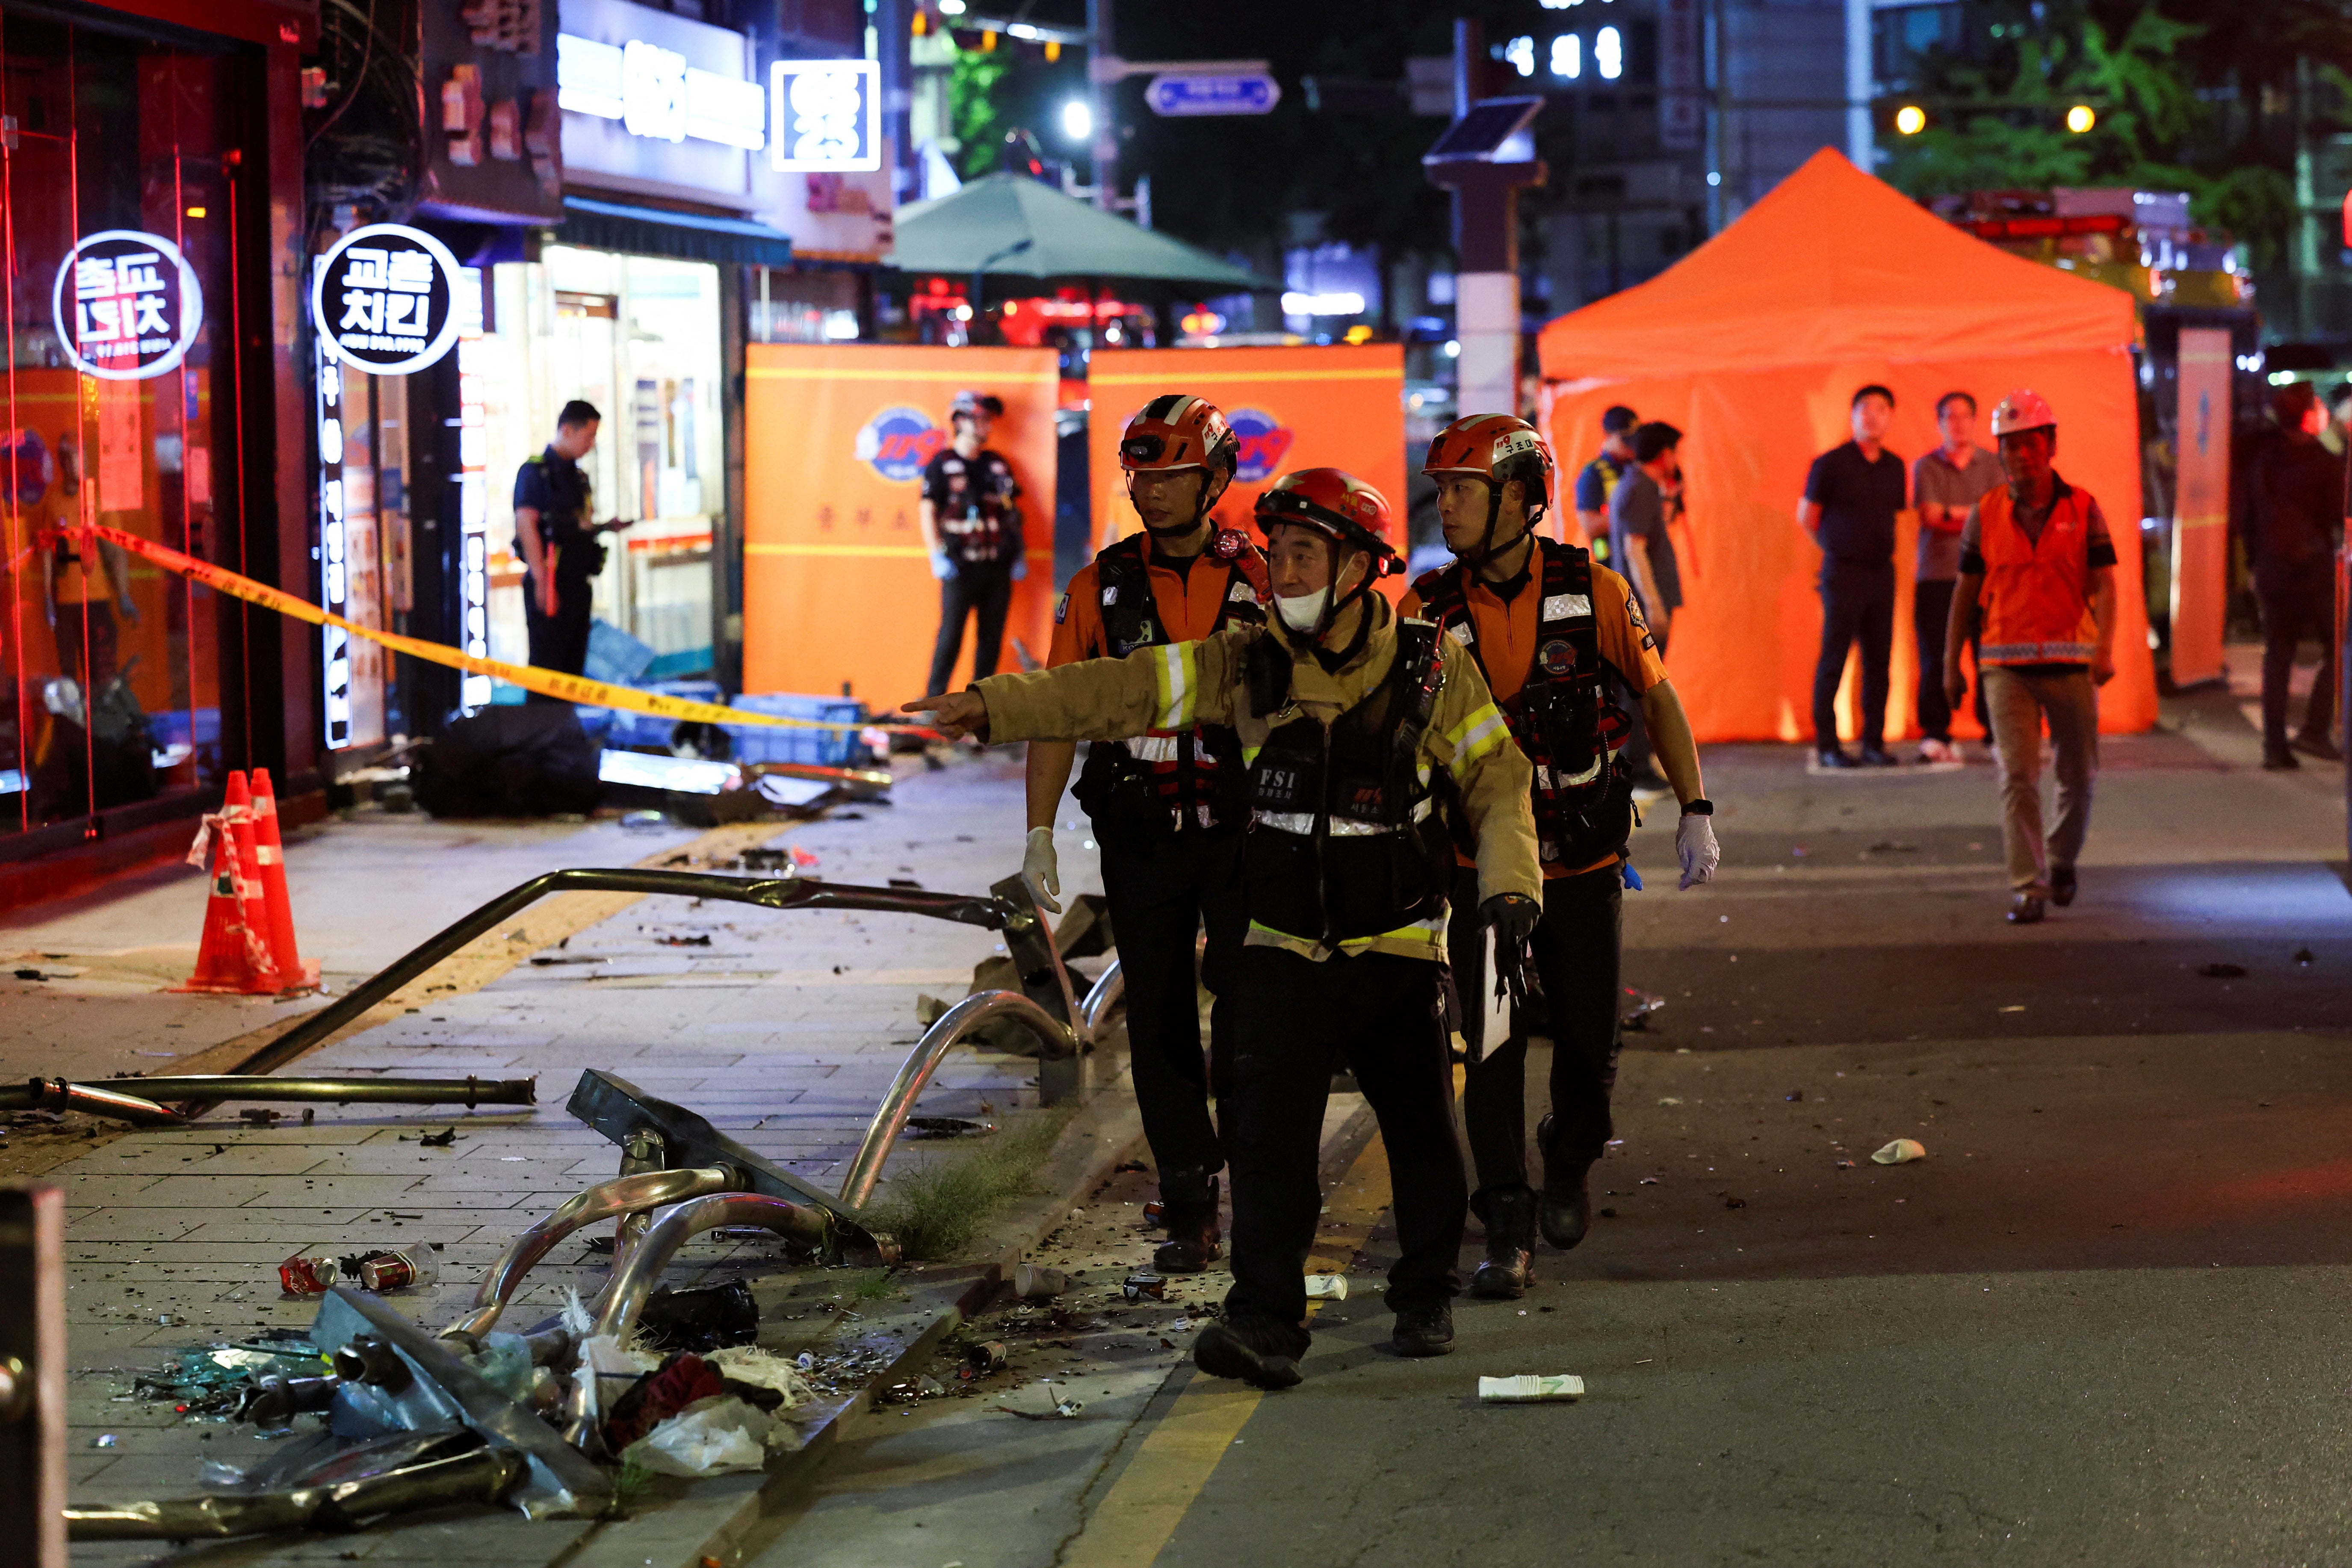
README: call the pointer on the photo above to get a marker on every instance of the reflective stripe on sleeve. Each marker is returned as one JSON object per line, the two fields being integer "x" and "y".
{"x": 1176, "y": 677}
{"x": 1475, "y": 736}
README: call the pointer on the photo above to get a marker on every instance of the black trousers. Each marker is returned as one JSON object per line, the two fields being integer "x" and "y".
{"x": 984, "y": 589}
{"x": 1384, "y": 1017}
{"x": 560, "y": 641}
{"x": 1162, "y": 892}
{"x": 1576, "y": 946}
{"x": 1931, "y": 615}
{"x": 1857, "y": 604}
{"x": 2303, "y": 605}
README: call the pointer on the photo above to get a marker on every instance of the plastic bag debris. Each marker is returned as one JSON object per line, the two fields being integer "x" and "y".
{"x": 710, "y": 1437}
{"x": 1531, "y": 1388}
{"x": 700, "y": 1318}
{"x": 1326, "y": 1286}
{"x": 778, "y": 1375}
{"x": 1902, "y": 1151}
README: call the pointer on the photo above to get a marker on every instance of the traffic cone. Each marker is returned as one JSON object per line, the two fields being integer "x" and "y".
{"x": 233, "y": 954}
{"x": 270, "y": 852}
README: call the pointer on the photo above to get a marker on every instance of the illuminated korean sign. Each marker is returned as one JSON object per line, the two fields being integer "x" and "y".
{"x": 127, "y": 305}
{"x": 384, "y": 299}
{"x": 656, "y": 93}
{"x": 825, "y": 115}
{"x": 334, "y": 538}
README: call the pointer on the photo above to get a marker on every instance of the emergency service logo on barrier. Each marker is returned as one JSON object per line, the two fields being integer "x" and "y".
{"x": 127, "y": 305}
{"x": 384, "y": 298}
{"x": 898, "y": 442}
{"x": 1264, "y": 439}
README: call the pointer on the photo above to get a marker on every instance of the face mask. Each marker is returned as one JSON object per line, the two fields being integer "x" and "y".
{"x": 1304, "y": 613}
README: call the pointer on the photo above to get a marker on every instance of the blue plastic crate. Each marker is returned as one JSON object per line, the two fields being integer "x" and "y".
{"x": 820, "y": 748}
{"x": 614, "y": 655}
{"x": 630, "y": 728}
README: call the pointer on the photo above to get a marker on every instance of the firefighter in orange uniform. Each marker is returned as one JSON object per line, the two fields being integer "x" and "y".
{"x": 1166, "y": 805}
{"x": 1553, "y": 633}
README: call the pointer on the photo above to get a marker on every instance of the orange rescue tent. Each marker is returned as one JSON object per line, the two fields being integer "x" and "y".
{"x": 1753, "y": 345}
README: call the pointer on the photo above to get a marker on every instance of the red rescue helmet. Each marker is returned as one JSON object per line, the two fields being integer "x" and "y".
{"x": 1337, "y": 505}
{"x": 1177, "y": 430}
{"x": 1486, "y": 446}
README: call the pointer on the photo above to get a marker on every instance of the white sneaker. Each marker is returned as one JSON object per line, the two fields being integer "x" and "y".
{"x": 1934, "y": 751}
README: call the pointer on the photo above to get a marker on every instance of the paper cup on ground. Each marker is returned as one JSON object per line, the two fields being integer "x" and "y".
{"x": 1326, "y": 1286}
{"x": 1035, "y": 1282}
{"x": 1530, "y": 1388}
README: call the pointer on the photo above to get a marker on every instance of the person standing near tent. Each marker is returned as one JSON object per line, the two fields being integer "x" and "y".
{"x": 1851, "y": 494}
{"x": 561, "y": 555}
{"x": 1597, "y": 482}
{"x": 1351, "y": 720}
{"x": 1945, "y": 484}
{"x": 2296, "y": 496}
{"x": 1167, "y": 805}
{"x": 1556, "y": 637}
{"x": 973, "y": 529}
{"x": 1639, "y": 509}
{"x": 2038, "y": 566}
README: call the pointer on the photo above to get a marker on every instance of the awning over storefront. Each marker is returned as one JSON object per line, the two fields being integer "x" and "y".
{"x": 654, "y": 231}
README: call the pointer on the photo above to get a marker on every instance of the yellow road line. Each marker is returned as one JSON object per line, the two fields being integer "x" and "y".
{"x": 1136, "y": 1518}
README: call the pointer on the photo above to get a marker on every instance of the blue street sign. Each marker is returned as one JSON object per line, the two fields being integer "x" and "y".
{"x": 1189, "y": 94}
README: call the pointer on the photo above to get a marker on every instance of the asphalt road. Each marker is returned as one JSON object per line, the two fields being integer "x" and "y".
{"x": 2099, "y": 1323}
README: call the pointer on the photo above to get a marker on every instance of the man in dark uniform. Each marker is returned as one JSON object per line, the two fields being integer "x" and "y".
{"x": 1598, "y": 483}
{"x": 973, "y": 531}
{"x": 560, "y": 553}
{"x": 2297, "y": 514}
{"x": 1167, "y": 805}
{"x": 1557, "y": 636}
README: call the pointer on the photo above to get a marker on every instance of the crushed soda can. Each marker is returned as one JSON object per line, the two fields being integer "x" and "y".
{"x": 1139, "y": 1286}
{"x": 1530, "y": 1388}
{"x": 987, "y": 1356}
{"x": 1155, "y": 1212}
{"x": 307, "y": 1274}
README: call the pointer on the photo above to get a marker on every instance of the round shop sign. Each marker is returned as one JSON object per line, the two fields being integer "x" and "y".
{"x": 1263, "y": 438}
{"x": 127, "y": 305}
{"x": 386, "y": 299}
{"x": 898, "y": 442}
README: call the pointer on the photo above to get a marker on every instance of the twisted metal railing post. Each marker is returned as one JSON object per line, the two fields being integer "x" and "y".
{"x": 1056, "y": 1042}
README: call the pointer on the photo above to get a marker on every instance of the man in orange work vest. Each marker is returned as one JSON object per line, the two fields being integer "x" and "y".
{"x": 2037, "y": 563}
{"x": 1554, "y": 634}
{"x": 1167, "y": 805}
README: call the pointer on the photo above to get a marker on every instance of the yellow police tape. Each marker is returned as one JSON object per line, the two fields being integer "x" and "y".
{"x": 547, "y": 682}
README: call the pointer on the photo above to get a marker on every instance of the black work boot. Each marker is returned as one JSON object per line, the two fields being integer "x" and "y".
{"x": 1566, "y": 1209}
{"x": 1189, "y": 1210}
{"x": 1256, "y": 1351}
{"x": 1511, "y": 1215}
{"x": 1425, "y": 1331}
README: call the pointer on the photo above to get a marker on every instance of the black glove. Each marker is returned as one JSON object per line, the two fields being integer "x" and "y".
{"x": 1512, "y": 918}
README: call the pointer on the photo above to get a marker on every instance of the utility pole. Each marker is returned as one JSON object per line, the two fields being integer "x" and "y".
{"x": 1103, "y": 91}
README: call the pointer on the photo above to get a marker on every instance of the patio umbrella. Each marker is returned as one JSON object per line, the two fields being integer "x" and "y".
{"x": 1009, "y": 225}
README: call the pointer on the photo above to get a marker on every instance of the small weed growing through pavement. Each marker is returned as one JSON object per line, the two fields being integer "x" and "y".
{"x": 937, "y": 1207}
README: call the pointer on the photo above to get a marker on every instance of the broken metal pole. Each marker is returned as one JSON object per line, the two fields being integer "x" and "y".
{"x": 482, "y": 1475}
{"x": 112, "y": 1098}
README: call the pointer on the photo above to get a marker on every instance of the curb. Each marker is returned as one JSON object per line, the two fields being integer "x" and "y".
{"x": 1104, "y": 1132}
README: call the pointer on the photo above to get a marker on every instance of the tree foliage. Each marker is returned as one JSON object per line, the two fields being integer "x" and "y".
{"x": 2190, "y": 95}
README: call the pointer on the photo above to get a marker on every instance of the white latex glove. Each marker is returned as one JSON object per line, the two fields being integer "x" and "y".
{"x": 1043, "y": 870}
{"x": 1020, "y": 569}
{"x": 1694, "y": 844}
{"x": 942, "y": 565}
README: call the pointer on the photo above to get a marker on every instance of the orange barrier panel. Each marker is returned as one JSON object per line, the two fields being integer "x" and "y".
{"x": 1308, "y": 408}
{"x": 2201, "y": 520}
{"x": 837, "y": 590}
{"x": 1754, "y": 344}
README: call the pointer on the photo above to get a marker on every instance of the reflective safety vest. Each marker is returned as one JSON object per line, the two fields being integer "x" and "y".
{"x": 1343, "y": 838}
{"x": 1166, "y": 780}
{"x": 2037, "y": 591}
{"x": 1563, "y": 717}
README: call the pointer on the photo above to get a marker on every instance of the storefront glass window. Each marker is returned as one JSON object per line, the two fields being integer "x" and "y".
{"x": 117, "y": 273}
{"x": 638, "y": 337}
